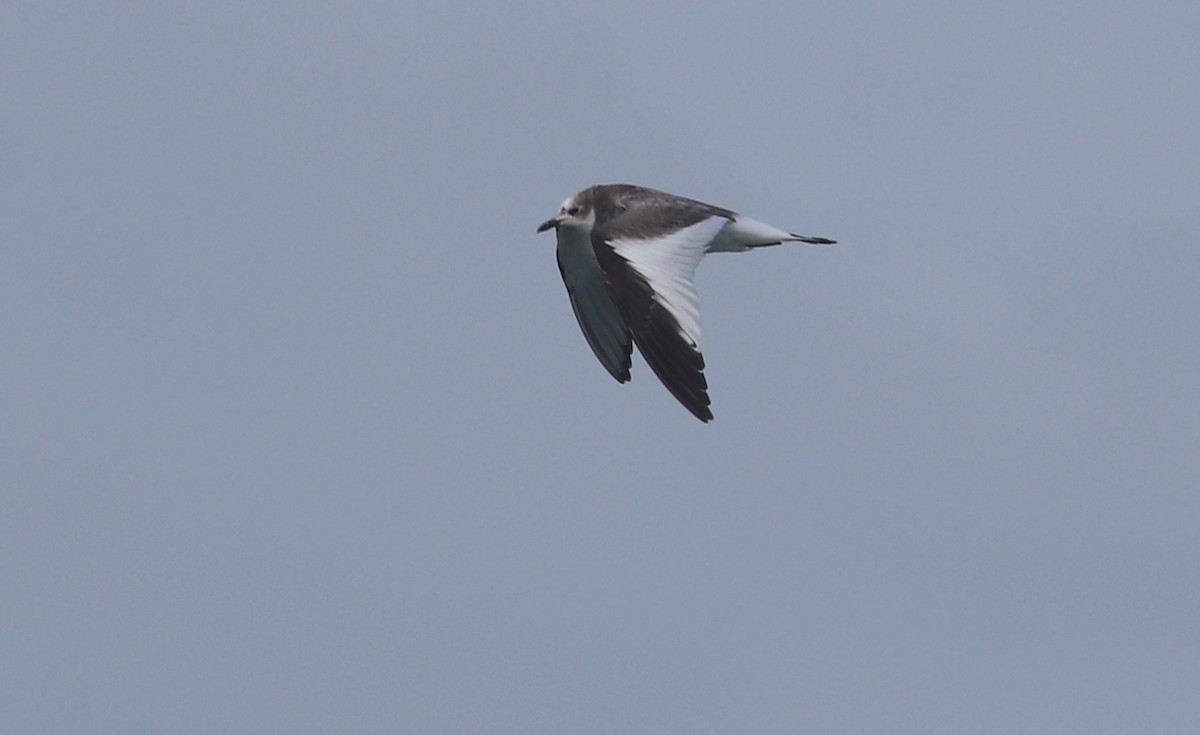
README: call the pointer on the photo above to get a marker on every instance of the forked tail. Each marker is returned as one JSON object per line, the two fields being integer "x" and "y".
{"x": 814, "y": 240}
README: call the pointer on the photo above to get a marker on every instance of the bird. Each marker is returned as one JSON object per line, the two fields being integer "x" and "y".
{"x": 627, "y": 255}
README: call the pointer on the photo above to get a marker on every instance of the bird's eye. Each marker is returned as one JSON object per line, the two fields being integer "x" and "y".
{"x": 573, "y": 211}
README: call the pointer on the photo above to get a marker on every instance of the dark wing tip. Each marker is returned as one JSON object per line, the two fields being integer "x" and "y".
{"x": 675, "y": 361}
{"x": 621, "y": 373}
{"x": 698, "y": 405}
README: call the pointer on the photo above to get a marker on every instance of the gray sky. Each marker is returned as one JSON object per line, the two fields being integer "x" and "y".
{"x": 299, "y": 433}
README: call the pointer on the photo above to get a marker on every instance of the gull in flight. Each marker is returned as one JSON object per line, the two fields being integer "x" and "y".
{"x": 627, "y": 255}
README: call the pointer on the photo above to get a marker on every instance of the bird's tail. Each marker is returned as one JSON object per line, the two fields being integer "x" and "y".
{"x": 813, "y": 240}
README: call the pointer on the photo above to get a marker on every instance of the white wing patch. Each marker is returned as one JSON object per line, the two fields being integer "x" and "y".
{"x": 668, "y": 263}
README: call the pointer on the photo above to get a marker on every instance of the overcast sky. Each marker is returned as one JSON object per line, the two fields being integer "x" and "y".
{"x": 298, "y": 433}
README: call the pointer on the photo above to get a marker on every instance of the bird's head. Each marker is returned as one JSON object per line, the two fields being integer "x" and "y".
{"x": 577, "y": 211}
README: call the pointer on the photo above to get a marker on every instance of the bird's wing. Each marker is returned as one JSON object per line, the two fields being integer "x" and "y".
{"x": 597, "y": 316}
{"x": 648, "y": 261}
